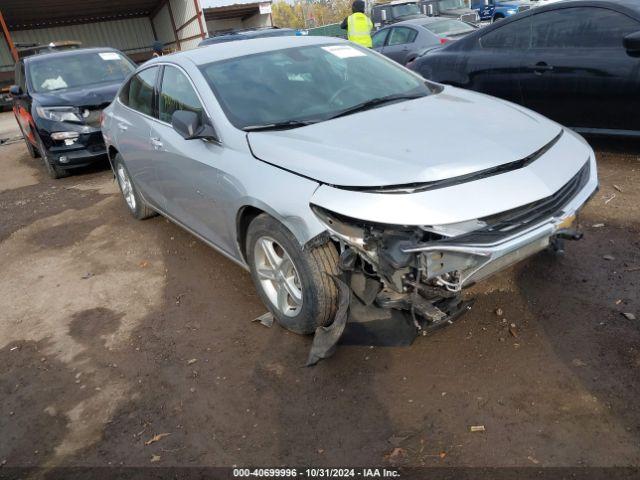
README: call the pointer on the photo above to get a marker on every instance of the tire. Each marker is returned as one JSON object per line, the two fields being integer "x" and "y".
{"x": 33, "y": 152}
{"x": 496, "y": 18}
{"x": 132, "y": 199}
{"x": 54, "y": 171}
{"x": 318, "y": 292}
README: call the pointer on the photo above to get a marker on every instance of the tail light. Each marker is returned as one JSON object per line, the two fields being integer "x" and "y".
{"x": 443, "y": 41}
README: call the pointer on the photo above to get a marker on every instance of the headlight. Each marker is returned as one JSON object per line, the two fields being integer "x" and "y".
{"x": 512, "y": 11}
{"x": 60, "y": 114}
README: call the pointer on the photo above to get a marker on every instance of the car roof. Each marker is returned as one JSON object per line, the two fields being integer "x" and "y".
{"x": 67, "y": 53}
{"x": 224, "y": 51}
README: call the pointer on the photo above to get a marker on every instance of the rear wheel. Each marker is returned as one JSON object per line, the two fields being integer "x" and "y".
{"x": 497, "y": 18}
{"x": 292, "y": 282}
{"x": 137, "y": 206}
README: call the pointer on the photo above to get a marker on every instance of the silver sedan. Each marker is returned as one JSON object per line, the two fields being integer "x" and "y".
{"x": 303, "y": 157}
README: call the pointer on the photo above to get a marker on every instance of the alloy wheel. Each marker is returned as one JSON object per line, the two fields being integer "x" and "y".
{"x": 126, "y": 187}
{"x": 278, "y": 276}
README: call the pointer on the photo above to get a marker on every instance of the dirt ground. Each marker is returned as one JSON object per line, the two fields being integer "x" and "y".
{"x": 113, "y": 331}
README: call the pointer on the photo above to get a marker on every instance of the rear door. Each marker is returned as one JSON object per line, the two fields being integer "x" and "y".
{"x": 399, "y": 45}
{"x": 379, "y": 39}
{"x": 578, "y": 72}
{"x": 188, "y": 170}
{"x": 495, "y": 65}
{"x": 133, "y": 115}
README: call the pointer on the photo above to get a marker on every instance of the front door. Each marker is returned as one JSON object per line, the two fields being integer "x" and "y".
{"x": 133, "y": 114}
{"x": 188, "y": 170}
{"x": 578, "y": 72}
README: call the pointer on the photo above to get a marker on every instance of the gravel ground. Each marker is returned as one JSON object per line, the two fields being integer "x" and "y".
{"x": 113, "y": 331}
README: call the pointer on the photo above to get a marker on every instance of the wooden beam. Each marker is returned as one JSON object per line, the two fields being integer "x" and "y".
{"x": 7, "y": 34}
{"x": 199, "y": 14}
{"x": 173, "y": 24}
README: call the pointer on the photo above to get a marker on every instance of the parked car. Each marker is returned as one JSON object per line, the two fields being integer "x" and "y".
{"x": 58, "y": 99}
{"x": 249, "y": 33}
{"x": 575, "y": 62}
{"x": 494, "y": 10}
{"x": 292, "y": 156}
{"x": 405, "y": 41}
{"x": 457, "y": 9}
{"x": 394, "y": 12}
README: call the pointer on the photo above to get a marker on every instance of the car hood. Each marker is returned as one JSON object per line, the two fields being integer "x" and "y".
{"x": 92, "y": 96}
{"x": 452, "y": 133}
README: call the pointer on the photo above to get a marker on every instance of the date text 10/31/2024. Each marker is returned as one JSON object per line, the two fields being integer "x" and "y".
{"x": 316, "y": 473}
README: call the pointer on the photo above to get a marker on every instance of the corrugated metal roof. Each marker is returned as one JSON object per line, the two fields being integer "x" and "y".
{"x": 206, "y": 4}
{"x": 22, "y": 14}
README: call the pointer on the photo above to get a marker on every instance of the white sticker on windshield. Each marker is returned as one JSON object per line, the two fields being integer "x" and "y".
{"x": 109, "y": 56}
{"x": 344, "y": 51}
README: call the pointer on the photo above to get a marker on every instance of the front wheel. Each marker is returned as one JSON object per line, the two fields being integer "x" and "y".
{"x": 292, "y": 282}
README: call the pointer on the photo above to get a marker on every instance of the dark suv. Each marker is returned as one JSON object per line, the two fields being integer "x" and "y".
{"x": 58, "y": 100}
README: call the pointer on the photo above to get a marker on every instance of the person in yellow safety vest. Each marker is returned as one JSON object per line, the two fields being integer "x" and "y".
{"x": 358, "y": 25}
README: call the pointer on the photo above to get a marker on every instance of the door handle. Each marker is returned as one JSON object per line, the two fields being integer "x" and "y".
{"x": 541, "y": 67}
{"x": 122, "y": 127}
{"x": 156, "y": 142}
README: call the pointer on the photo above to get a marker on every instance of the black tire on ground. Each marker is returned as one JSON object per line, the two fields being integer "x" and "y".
{"x": 30, "y": 148}
{"x": 141, "y": 211}
{"x": 319, "y": 292}
{"x": 497, "y": 18}
{"x": 54, "y": 171}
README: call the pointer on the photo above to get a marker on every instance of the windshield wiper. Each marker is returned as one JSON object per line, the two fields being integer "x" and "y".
{"x": 375, "y": 102}
{"x": 289, "y": 124}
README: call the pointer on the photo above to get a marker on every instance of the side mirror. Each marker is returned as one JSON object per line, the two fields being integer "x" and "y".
{"x": 632, "y": 42}
{"x": 383, "y": 14}
{"x": 15, "y": 91}
{"x": 188, "y": 125}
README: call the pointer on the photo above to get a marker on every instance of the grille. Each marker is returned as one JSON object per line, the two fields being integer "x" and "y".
{"x": 511, "y": 222}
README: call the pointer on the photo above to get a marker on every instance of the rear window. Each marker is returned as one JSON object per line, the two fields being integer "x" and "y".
{"x": 51, "y": 73}
{"x": 448, "y": 27}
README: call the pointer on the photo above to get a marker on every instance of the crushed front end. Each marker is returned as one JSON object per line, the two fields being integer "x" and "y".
{"x": 423, "y": 269}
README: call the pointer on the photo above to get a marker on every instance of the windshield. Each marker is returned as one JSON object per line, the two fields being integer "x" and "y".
{"x": 453, "y": 4}
{"x": 77, "y": 70}
{"x": 405, "y": 10}
{"x": 447, "y": 28}
{"x": 305, "y": 84}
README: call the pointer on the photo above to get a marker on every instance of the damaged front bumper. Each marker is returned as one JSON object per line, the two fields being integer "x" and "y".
{"x": 421, "y": 268}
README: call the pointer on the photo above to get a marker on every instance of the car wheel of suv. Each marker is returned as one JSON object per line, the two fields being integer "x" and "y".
{"x": 30, "y": 148}
{"x": 53, "y": 170}
{"x": 496, "y": 18}
{"x": 292, "y": 282}
{"x": 137, "y": 206}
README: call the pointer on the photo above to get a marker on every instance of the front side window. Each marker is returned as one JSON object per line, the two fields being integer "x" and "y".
{"x": 138, "y": 93}
{"x": 581, "y": 27}
{"x": 311, "y": 83}
{"x": 177, "y": 93}
{"x": 73, "y": 70}
{"x": 514, "y": 35}
{"x": 379, "y": 38}
{"x": 402, "y": 35}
